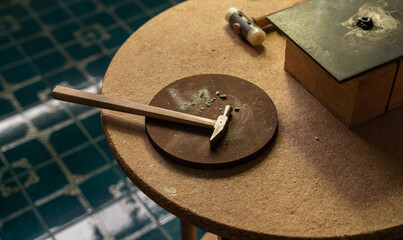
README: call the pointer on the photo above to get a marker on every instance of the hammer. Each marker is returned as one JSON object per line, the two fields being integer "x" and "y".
{"x": 250, "y": 29}
{"x": 245, "y": 27}
{"x": 95, "y": 100}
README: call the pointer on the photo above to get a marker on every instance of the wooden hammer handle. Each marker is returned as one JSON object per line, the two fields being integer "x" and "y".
{"x": 96, "y": 100}
{"x": 264, "y": 23}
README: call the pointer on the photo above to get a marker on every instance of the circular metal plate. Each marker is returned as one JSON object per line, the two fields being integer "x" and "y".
{"x": 249, "y": 131}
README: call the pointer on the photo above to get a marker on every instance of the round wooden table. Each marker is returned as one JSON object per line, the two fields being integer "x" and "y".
{"x": 319, "y": 179}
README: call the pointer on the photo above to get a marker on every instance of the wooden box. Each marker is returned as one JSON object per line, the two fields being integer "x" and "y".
{"x": 354, "y": 72}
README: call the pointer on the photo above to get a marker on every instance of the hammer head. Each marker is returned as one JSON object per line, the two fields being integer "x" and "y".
{"x": 220, "y": 126}
{"x": 245, "y": 27}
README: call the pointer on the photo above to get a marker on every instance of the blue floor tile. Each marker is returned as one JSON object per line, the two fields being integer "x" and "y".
{"x": 97, "y": 68}
{"x": 13, "y": 129}
{"x": 49, "y": 116}
{"x": 118, "y": 36}
{"x": 72, "y": 76}
{"x": 9, "y": 55}
{"x": 20, "y": 73}
{"x": 16, "y": 10}
{"x": 156, "y": 6}
{"x": 154, "y": 234}
{"x": 138, "y": 22}
{"x": 160, "y": 9}
{"x": 27, "y": 27}
{"x": 33, "y": 151}
{"x": 105, "y": 148}
{"x": 3, "y": 39}
{"x": 102, "y": 18}
{"x": 5, "y": 107}
{"x": 128, "y": 10}
{"x": 122, "y": 173}
{"x": 84, "y": 161}
{"x": 44, "y": 43}
{"x": 173, "y": 228}
{"x": 77, "y": 109}
{"x": 56, "y": 16}
{"x": 26, "y": 226}
{"x": 110, "y": 2}
{"x": 66, "y": 33}
{"x": 5, "y": 174}
{"x": 93, "y": 125}
{"x": 124, "y": 217}
{"x": 67, "y": 138}
{"x": 82, "y": 7}
{"x": 11, "y": 199}
{"x": 154, "y": 3}
{"x": 80, "y": 51}
{"x": 40, "y": 5}
{"x": 29, "y": 95}
{"x": 85, "y": 229}
{"x": 101, "y": 188}
{"x": 155, "y": 210}
{"x": 61, "y": 210}
{"x": 51, "y": 61}
{"x": 37, "y": 45}
{"x": 43, "y": 181}
{"x": 200, "y": 233}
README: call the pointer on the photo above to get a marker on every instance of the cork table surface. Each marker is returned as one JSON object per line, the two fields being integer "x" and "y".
{"x": 318, "y": 180}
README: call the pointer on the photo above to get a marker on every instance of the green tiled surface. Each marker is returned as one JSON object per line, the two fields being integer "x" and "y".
{"x": 12, "y": 200}
{"x": 70, "y": 76}
{"x": 27, "y": 221}
{"x": 29, "y": 95}
{"x": 8, "y": 55}
{"x": 67, "y": 138}
{"x": 84, "y": 161}
{"x": 44, "y": 181}
{"x": 93, "y": 125}
{"x": 96, "y": 189}
{"x": 50, "y": 61}
{"x": 19, "y": 73}
{"x": 61, "y": 210}
{"x": 6, "y": 107}
{"x": 33, "y": 150}
{"x": 53, "y": 116}
{"x": 58, "y": 178}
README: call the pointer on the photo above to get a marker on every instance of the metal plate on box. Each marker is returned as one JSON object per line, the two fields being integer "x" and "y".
{"x": 328, "y": 32}
{"x": 249, "y": 132}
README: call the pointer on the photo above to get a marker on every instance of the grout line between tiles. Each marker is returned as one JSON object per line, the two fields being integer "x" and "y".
{"x": 83, "y": 26}
{"x": 154, "y": 219}
{"x": 92, "y": 142}
{"x": 27, "y": 197}
{"x": 31, "y": 128}
{"x": 45, "y": 133}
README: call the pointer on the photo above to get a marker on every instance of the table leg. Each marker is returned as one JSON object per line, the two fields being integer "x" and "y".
{"x": 188, "y": 231}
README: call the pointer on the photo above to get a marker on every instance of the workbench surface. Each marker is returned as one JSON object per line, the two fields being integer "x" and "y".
{"x": 318, "y": 180}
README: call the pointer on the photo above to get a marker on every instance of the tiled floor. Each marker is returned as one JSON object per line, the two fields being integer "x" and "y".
{"x": 58, "y": 179}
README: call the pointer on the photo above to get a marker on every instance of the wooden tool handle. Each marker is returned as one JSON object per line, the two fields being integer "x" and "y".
{"x": 96, "y": 100}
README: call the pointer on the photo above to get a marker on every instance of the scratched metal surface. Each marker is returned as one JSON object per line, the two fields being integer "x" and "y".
{"x": 326, "y": 31}
{"x": 250, "y": 129}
